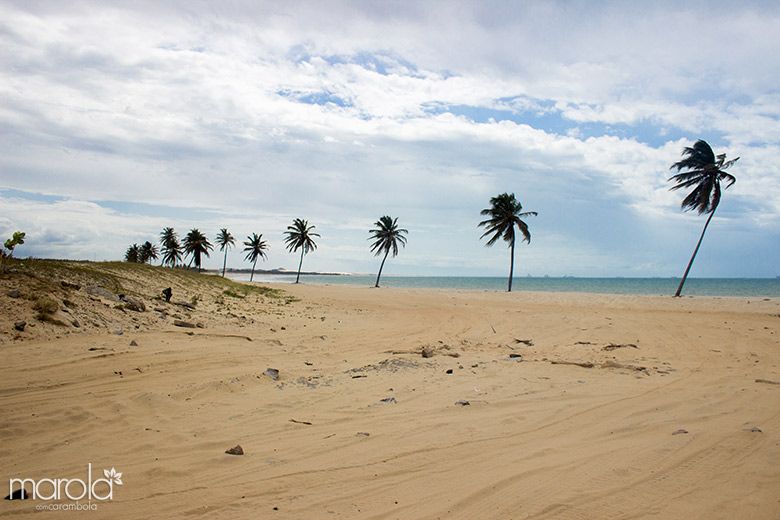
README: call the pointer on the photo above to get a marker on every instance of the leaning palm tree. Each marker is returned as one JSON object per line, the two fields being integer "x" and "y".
{"x": 255, "y": 248}
{"x": 704, "y": 173}
{"x": 386, "y": 236}
{"x": 171, "y": 249}
{"x": 504, "y": 213}
{"x": 225, "y": 241}
{"x": 197, "y": 245}
{"x": 299, "y": 236}
{"x": 148, "y": 252}
{"x": 133, "y": 253}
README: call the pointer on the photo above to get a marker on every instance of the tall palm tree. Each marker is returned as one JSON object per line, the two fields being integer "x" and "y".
{"x": 704, "y": 172}
{"x": 255, "y": 248}
{"x": 505, "y": 214}
{"x": 197, "y": 245}
{"x": 225, "y": 241}
{"x": 171, "y": 249}
{"x": 386, "y": 236}
{"x": 148, "y": 252}
{"x": 133, "y": 253}
{"x": 299, "y": 236}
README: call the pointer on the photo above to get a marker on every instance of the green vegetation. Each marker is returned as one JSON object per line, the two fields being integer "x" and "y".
{"x": 11, "y": 243}
{"x": 225, "y": 241}
{"x": 386, "y": 236}
{"x": 505, "y": 214}
{"x": 299, "y": 236}
{"x": 171, "y": 249}
{"x": 704, "y": 173}
{"x": 255, "y": 248}
{"x": 197, "y": 245}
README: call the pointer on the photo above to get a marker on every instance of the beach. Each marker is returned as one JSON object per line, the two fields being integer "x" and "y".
{"x": 401, "y": 403}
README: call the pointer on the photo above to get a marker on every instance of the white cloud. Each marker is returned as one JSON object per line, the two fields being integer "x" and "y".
{"x": 255, "y": 113}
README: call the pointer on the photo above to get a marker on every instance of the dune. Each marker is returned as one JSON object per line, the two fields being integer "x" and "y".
{"x": 396, "y": 403}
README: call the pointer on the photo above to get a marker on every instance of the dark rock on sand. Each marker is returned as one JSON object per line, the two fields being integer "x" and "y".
{"x": 133, "y": 343}
{"x": 235, "y": 450}
{"x": 101, "y": 292}
{"x": 13, "y": 293}
{"x": 679, "y": 432}
{"x": 182, "y": 323}
{"x": 427, "y": 352}
{"x": 272, "y": 373}
{"x": 167, "y": 293}
{"x": 20, "y": 325}
{"x": 134, "y": 304}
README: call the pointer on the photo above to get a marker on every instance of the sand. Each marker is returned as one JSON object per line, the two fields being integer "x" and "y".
{"x": 617, "y": 407}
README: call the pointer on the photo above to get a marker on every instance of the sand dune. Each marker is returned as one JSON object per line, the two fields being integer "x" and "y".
{"x": 618, "y": 407}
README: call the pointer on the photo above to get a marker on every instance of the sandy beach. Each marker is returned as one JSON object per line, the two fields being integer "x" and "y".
{"x": 405, "y": 404}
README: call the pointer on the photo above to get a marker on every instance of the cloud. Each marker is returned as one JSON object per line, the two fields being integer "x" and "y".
{"x": 250, "y": 114}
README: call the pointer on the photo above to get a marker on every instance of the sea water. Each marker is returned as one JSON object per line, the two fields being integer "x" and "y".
{"x": 752, "y": 287}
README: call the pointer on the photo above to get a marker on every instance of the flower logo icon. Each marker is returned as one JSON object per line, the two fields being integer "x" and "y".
{"x": 113, "y": 476}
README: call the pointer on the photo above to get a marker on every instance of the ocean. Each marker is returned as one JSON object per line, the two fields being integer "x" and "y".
{"x": 751, "y": 287}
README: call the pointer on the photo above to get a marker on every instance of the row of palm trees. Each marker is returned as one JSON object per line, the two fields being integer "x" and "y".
{"x": 703, "y": 172}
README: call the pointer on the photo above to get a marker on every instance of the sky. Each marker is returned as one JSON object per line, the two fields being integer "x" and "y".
{"x": 118, "y": 119}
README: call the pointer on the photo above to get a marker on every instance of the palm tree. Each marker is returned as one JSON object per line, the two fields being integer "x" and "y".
{"x": 504, "y": 212}
{"x": 148, "y": 252}
{"x": 197, "y": 245}
{"x": 225, "y": 241}
{"x": 704, "y": 173}
{"x": 171, "y": 249}
{"x": 255, "y": 248}
{"x": 133, "y": 253}
{"x": 299, "y": 237}
{"x": 386, "y": 236}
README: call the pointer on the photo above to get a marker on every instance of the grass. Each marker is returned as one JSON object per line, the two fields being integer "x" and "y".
{"x": 127, "y": 278}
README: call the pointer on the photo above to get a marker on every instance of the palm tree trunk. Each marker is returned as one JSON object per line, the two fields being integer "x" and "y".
{"x": 690, "y": 263}
{"x": 224, "y": 263}
{"x": 253, "y": 270}
{"x": 297, "y": 279}
{"x": 380, "y": 268}
{"x": 511, "y": 264}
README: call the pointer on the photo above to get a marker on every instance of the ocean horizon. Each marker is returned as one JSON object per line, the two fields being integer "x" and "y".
{"x": 741, "y": 287}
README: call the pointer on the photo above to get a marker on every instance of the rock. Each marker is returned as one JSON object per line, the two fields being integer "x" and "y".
{"x": 272, "y": 373}
{"x": 167, "y": 293}
{"x": 427, "y": 351}
{"x": 449, "y": 371}
{"x": 200, "y": 325}
{"x": 753, "y": 430}
{"x": 101, "y": 292}
{"x": 19, "y": 494}
{"x": 134, "y": 304}
{"x": 20, "y": 325}
{"x": 679, "y": 432}
{"x": 235, "y": 450}
{"x": 13, "y": 293}
{"x": 462, "y": 403}
{"x": 69, "y": 285}
{"x": 133, "y": 343}
{"x": 515, "y": 356}
{"x": 388, "y": 400}
{"x": 75, "y": 323}
{"x": 182, "y": 323}
{"x": 117, "y": 332}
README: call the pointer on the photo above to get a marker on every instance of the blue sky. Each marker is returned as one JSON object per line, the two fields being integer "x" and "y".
{"x": 117, "y": 121}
